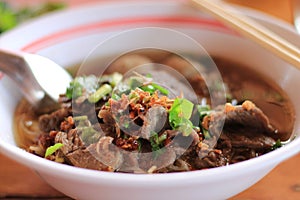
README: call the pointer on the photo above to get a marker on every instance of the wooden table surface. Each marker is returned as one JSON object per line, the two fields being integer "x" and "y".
{"x": 19, "y": 182}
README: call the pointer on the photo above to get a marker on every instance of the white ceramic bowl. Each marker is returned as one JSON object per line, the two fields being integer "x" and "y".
{"x": 67, "y": 37}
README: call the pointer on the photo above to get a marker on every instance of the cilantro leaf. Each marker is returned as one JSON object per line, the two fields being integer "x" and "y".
{"x": 179, "y": 114}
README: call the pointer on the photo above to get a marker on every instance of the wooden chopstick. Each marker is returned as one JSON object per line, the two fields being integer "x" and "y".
{"x": 252, "y": 30}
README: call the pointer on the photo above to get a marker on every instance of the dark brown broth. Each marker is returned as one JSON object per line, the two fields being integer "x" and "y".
{"x": 246, "y": 84}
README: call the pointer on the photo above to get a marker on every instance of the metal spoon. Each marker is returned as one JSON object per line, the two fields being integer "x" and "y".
{"x": 40, "y": 79}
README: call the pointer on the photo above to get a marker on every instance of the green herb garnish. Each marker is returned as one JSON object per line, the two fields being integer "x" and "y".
{"x": 277, "y": 145}
{"x": 179, "y": 115}
{"x": 100, "y": 93}
{"x": 156, "y": 140}
{"x": 74, "y": 90}
{"x": 203, "y": 111}
{"x": 52, "y": 149}
{"x": 113, "y": 79}
{"x": 82, "y": 86}
{"x": 160, "y": 89}
{"x": 148, "y": 88}
{"x": 145, "y": 83}
{"x": 151, "y": 88}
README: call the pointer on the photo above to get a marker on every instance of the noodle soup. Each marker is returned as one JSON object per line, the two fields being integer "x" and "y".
{"x": 140, "y": 129}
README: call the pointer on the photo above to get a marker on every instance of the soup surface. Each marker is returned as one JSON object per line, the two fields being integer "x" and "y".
{"x": 167, "y": 118}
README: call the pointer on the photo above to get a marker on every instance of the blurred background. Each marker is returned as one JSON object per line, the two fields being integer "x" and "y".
{"x": 13, "y": 12}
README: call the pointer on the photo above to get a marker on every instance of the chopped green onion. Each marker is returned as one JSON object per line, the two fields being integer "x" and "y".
{"x": 52, "y": 149}
{"x": 160, "y": 89}
{"x": 115, "y": 79}
{"x": 151, "y": 88}
{"x": 81, "y": 85}
{"x": 80, "y": 118}
{"x": 100, "y": 93}
{"x": 148, "y": 88}
{"x": 116, "y": 97}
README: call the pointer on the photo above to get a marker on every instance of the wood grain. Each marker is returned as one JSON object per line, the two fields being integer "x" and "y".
{"x": 281, "y": 9}
{"x": 17, "y": 181}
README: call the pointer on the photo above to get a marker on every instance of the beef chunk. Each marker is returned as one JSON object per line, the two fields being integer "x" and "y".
{"x": 102, "y": 155}
{"x": 255, "y": 142}
{"x": 130, "y": 163}
{"x": 213, "y": 159}
{"x": 107, "y": 153}
{"x": 109, "y": 125}
{"x": 158, "y": 159}
{"x": 48, "y": 122}
{"x": 246, "y": 119}
{"x": 246, "y": 129}
{"x": 83, "y": 158}
{"x": 71, "y": 141}
{"x": 154, "y": 121}
{"x": 178, "y": 166}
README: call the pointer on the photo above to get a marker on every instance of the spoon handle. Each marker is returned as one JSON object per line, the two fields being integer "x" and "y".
{"x": 15, "y": 66}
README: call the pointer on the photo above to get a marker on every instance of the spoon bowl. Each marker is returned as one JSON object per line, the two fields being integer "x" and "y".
{"x": 40, "y": 79}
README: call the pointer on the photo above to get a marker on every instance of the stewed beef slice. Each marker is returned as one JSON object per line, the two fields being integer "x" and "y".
{"x": 48, "y": 122}
{"x": 246, "y": 128}
{"x": 246, "y": 119}
{"x": 84, "y": 159}
{"x": 214, "y": 158}
{"x": 154, "y": 121}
